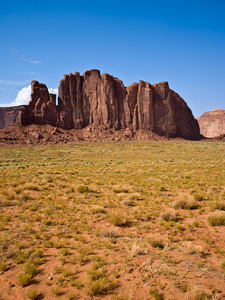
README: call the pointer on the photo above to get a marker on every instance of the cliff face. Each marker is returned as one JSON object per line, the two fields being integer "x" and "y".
{"x": 212, "y": 123}
{"x": 102, "y": 100}
{"x": 9, "y": 116}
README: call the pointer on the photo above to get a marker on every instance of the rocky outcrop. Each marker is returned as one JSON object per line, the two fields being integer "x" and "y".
{"x": 9, "y": 116}
{"x": 212, "y": 123}
{"x": 103, "y": 101}
{"x": 42, "y": 107}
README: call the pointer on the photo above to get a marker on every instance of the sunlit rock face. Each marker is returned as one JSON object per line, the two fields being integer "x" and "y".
{"x": 212, "y": 123}
{"x": 103, "y": 101}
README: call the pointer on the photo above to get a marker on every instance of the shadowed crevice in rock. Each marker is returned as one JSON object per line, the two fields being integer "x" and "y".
{"x": 103, "y": 101}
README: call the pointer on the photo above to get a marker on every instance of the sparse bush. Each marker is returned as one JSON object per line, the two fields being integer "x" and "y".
{"x": 32, "y": 187}
{"x": 185, "y": 201}
{"x": 223, "y": 266}
{"x": 135, "y": 196}
{"x": 128, "y": 202}
{"x": 110, "y": 233}
{"x": 156, "y": 294}
{"x": 220, "y": 205}
{"x": 198, "y": 196}
{"x": 120, "y": 189}
{"x": 32, "y": 294}
{"x": 100, "y": 286}
{"x": 170, "y": 215}
{"x": 72, "y": 296}
{"x": 137, "y": 249}
{"x": 57, "y": 291}
{"x": 120, "y": 297}
{"x": 3, "y": 266}
{"x": 24, "y": 279}
{"x": 196, "y": 223}
{"x": 117, "y": 218}
{"x": 200, "y": 294}
{"x": 155, "y": 242}
{"x": 217, "y": 219}
{"x": 30, "y": 268}
{"x": 83, "y": 189}
{"x": 98, "y": 210}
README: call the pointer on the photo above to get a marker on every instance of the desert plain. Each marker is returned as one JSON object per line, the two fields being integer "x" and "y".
{"x": 113, "y": 220}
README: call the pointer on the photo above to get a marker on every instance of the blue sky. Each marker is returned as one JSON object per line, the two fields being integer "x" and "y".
{"x": 182, "y": 42}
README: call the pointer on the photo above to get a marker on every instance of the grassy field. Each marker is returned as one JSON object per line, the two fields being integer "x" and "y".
{"x": 122, "y": 220}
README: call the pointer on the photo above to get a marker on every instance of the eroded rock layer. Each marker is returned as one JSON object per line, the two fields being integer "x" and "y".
{"x": 103, "y": 101}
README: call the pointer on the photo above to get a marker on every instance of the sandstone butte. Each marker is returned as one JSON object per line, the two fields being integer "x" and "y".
{"x": 103, "y": 102}
{"x": 212, "y": 123}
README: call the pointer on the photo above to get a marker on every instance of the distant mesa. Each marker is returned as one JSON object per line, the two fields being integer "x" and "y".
{"x": 9, "y": 116}
{"x": 103, "y": 102}
{"x": 212, "y": 123}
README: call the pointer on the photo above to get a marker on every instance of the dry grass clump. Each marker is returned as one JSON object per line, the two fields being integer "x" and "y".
{"x": 156, "y": 294}
{"x": 135, "y": 196}
{"x": 201, "y": 294}
{"x": 128, "y": 202}
{"x": 117, "y": 218}
{"x": 120, "y": 189}
{"x": 170, "y": 215}
{"x": 110, "y": 233}
{"x": 83, "y": 189}
{"x": 97, "y": 209}
{"x": 137, "y": 249}
{"x": 217, "y": 218}
{"x": 32, "y": 294}
{"x": 223, "y": 266}
{"x": 155, "y": 242}
{"x": 24, "y": 279}
{"x": 98, "y": 283}
{"x": 220, "y": 205}
{"x": 3, "y": 266}
{"x": 185, "y": 201}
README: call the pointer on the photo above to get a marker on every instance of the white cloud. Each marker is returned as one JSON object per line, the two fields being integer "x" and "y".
{"x": 24, "y": 95}
{"x": 30, "y": 61}
{"x": 15, "y": 82}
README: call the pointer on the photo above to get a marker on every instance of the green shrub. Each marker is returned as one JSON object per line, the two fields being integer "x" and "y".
{"x": 101, "y": 286}
{"x": 3, "y": 266}
{"x": 30, "y": 269}
{"x": 24, "y": 279}
{"x": 57, "y": 291}
{"x": 72, "y": 296}
{"x": 32, "y": 294}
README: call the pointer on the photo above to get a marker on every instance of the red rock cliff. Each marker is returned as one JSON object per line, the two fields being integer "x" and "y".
{"x": 102, "y": 100}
